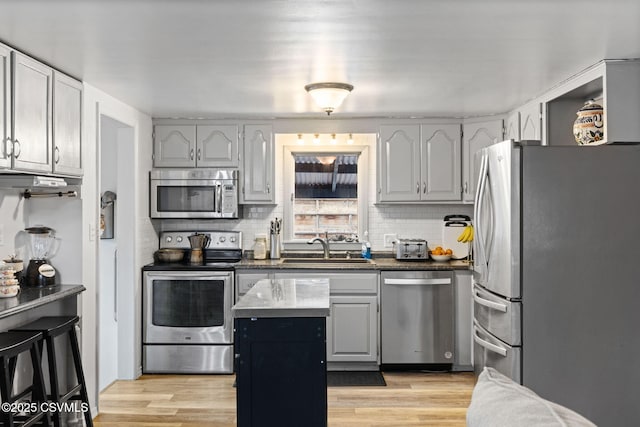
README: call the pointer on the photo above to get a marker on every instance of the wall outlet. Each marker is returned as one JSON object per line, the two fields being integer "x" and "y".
{"x": 389, "y": 239}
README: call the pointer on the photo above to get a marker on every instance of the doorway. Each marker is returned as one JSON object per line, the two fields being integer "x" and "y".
{"x": 116, "y": 246}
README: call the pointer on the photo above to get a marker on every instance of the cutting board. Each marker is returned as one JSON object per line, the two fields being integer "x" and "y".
{"x": 451, "y": 229}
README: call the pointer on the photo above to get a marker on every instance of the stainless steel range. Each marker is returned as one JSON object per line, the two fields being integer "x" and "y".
{"x": 186, "y": 308}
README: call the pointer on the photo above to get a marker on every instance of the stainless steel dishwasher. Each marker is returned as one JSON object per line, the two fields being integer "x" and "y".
{"x": 417, "y": 316}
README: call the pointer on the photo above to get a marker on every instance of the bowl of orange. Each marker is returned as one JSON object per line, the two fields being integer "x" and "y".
{"x": 440, "y": 254}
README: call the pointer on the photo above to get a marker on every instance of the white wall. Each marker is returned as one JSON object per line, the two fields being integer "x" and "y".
{"x": 143, "y": 240}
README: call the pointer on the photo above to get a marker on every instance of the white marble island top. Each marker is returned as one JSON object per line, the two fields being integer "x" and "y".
{"x": 285, "y": 298}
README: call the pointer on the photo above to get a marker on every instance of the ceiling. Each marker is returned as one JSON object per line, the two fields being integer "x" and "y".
{"x": 252, "y": 58}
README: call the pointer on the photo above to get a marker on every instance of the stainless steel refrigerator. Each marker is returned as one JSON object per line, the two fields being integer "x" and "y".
{"x": 556, "y": 277}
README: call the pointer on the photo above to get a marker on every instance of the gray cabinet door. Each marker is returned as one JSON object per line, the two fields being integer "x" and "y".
{"x": 440, "y": 162}
{"x": 217, "y": 146}
{"x": 67, "y": 125}
{"x": 6, "y": 143}
{"x": 258, "y": 172}
{"x": 174, "y": 146}
{"x": 352, "y": 332}
{"x": 464, "y": 320}
{"x": 531, "y": 122}
{"x": 512, "y": 126}
{"x": 399, "y": 163}
{"x": 352, "y": 328}
{"x": 32, "y": 105}
{"x": 476, "y": 137}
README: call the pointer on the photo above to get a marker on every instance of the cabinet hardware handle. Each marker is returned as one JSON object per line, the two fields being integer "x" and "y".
{"x": 16, "y": 154}
{"x": 424, "y": 187}
{"x": 199, "y": 153}
{"x": 418, "y": 187}
{"x": 268, "y": 189}
{"x": 57, "y": 150}
{"x": 465, "y": 187}
{"x": 192, "y": 154}
{"x": 8, "y": 147}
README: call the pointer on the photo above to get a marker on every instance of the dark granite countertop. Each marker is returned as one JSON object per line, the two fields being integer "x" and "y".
{"x": 30, "y": 298}
{"x": 383, "y": 263}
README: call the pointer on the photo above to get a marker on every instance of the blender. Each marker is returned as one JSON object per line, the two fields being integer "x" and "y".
{"x": 39, "y": 272}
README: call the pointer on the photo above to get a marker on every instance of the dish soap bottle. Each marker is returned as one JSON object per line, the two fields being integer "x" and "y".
{"x": 366, "y": 246}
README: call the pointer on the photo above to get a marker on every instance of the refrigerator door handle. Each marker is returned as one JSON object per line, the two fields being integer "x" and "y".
{"x": 486, "y": 344}
{"x": 487, "y": 303}
{"x": 477, "y": 207}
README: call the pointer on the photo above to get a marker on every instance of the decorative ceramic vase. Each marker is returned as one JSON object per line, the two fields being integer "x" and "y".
{"x": 589, "y": 126}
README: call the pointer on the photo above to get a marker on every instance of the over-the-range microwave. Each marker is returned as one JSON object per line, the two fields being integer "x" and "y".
{"x": 193, "y": 193}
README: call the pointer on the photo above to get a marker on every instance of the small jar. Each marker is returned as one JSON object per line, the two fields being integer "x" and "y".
{"x": 260, "y": 247}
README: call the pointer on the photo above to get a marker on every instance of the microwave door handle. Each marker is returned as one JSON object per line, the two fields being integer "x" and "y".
{"x": 489, "y": 346}
{"x": 218, "y": 198}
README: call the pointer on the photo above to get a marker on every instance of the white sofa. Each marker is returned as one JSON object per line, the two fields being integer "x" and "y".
{"x": 497, "y": 401}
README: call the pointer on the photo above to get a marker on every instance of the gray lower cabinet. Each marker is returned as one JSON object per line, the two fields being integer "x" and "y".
{"x": 464, "y": 320}
{"x": 353, "y": 326}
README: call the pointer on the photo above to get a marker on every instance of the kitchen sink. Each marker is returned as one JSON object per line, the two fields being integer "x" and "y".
{"x": 326, "y": 261}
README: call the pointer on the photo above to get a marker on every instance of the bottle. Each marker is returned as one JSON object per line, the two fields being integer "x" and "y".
{"x": 260, "y": 247}
{"x": 366, "y": 246}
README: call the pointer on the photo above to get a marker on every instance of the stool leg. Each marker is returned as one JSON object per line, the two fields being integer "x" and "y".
{"x": 5, "y": 391}
{"x": 39, "y": 392}
{"x": 73, "y": 338}
{"x": 53, "y": 378}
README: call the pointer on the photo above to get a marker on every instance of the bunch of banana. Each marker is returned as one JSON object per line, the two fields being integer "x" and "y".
{"x": 466, "y": 235}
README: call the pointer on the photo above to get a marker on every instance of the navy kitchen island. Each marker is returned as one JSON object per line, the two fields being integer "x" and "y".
{"x": 280, "y": 347}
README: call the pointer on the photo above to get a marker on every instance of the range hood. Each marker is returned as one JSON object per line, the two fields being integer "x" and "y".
{"x": 35, "y": 181}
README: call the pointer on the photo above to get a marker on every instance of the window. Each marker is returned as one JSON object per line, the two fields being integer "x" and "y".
{"x": 325, "y": 197}
{"x": 326, "y": 191}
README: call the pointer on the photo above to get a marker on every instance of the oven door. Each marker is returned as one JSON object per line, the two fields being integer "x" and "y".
{"x": 187, "y": 307}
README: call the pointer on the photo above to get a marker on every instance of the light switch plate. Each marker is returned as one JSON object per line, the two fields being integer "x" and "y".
{"x": 1, "y": 234}
{"x": 389, "y": 239}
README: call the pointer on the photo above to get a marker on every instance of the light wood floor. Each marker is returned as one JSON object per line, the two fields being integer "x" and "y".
{"x": 409, "y": 399}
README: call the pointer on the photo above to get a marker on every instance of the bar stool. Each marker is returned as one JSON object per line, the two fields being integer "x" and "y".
{"x": 51, "y": 327}
{"x": 12, "y": 344}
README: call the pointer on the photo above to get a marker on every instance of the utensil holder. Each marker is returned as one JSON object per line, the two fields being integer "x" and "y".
{"x": 274, "y": 249}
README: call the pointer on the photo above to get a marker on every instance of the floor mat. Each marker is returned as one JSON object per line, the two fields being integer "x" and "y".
{"x": 355, "y": 378}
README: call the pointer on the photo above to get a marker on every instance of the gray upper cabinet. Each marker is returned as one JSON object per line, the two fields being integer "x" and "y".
{"x": 419, "y": 163}
{"x": 531, "y": 121}
{"x": 32, "y": 104}
{"x": 5, "y": 107}
{"x": 174, "y": 146}
{"x": 399, "y": 163}
{"x": 258, "y": 172}
{"x": 67, "y": 125}
{"x": 512, "y": 126}
{"x": 440, "y": 154}
{"x": 217, "y": 146}
{"x": 190, "y": 146}
{"x": 476, "y": 136}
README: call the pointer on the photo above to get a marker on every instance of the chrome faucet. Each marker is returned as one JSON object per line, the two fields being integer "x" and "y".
{"x": 324, "y": 242}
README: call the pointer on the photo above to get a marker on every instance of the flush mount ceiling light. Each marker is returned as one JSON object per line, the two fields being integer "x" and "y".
{"x": 328, "y": 95}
